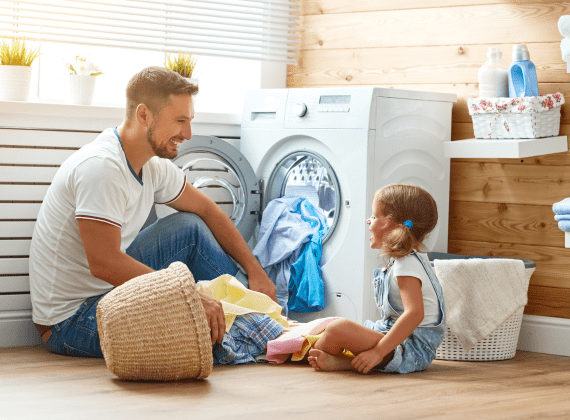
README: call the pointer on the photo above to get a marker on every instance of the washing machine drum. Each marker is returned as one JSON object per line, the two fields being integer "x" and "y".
{"x": 221, "y": 171}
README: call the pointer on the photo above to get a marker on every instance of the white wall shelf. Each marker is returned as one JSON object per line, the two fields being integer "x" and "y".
{"x": 504, "y": 148}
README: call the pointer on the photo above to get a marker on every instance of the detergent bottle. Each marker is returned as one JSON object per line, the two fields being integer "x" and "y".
{"x": 522, "y": 74}
{"x": 493, "y": 80}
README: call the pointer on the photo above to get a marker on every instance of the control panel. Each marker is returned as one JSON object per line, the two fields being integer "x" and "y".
{"x": 334, "y": 103}
{"x": 328, "y": 108}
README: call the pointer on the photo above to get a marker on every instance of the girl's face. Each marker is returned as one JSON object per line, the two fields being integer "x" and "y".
{"x": 380, "y": 226}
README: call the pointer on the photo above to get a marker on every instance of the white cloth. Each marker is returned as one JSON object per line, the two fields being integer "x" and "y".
{"x": 564, "y": 28}
{"x": 410, "y": 266}
{"x": 95, "y": 183}
{"x": 480, "y": 294}
{"x": 565, "y": 49}
{"x": 564, "y": 25}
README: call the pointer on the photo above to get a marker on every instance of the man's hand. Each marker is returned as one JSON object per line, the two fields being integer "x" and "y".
{"x": 260, "y": 282}
{"x": 215, "y": 316}
{"x": 225, "y": 232}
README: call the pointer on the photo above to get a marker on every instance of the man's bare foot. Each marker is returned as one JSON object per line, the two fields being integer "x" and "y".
{"x": 321, "y": 360}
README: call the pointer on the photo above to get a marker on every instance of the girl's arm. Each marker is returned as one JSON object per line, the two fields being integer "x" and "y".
{"x": 412, "y": 299}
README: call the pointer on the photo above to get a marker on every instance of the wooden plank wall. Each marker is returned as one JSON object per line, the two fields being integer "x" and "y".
{"x": 498, "y": 207}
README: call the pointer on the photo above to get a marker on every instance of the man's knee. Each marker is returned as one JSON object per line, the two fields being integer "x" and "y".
{"x": 185, "y": 220}
{"x": 184, "y": 217}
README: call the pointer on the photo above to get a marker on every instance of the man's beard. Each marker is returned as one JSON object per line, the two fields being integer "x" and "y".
{"x": 161, "y": 152}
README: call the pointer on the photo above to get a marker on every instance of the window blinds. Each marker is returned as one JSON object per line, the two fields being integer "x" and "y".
{"x": 253, "y": 29}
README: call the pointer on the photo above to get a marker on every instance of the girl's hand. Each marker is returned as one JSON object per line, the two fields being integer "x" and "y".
{"x": 366, "y": 360}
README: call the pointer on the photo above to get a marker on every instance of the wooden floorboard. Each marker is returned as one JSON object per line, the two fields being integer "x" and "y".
{"x": 35, "y": 384}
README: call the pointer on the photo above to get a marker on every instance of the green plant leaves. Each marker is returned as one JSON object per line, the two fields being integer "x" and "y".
{"x": 182, "y": 64}
{"x": 17, "y": 53}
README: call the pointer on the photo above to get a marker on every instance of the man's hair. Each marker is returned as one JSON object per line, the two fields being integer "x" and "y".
{"x": 153, "y": 87}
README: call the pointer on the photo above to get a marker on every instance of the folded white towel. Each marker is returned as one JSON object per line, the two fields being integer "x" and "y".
{"x": 565, "y": 49}
{"x": 564, "y": 25}
{"x": 480, "y": 294}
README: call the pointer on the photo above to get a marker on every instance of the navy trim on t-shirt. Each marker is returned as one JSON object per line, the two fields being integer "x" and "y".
{"x": 128, "y": 163}
{"x": 177, "y": 195}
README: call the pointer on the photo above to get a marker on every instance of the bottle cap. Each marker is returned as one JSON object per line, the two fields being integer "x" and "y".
{"x": 494, "y": 53}
{"x": 520, "y": 53}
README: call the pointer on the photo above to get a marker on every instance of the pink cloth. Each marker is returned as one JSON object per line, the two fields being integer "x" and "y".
{"x": 279, "y": 350}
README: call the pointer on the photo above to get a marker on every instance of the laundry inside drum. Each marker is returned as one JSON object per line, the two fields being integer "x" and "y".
{"x": 308, "y": 175}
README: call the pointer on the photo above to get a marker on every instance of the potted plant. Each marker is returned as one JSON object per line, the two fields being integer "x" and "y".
{"x": 82, "y": 76}
{"x": 183, "y": 64}
{"x": 16, "y": 59}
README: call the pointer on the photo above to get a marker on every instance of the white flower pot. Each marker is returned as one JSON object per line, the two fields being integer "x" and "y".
{"x": 81, "y": 89}
{"x": 195, "y": 83}
{"x": 14, "y": 82}
{"x": 191, "y": 80}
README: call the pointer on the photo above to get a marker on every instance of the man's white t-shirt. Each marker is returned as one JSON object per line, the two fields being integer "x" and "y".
{"x": 96, "y": 183}
{"x": 410, "y": 266}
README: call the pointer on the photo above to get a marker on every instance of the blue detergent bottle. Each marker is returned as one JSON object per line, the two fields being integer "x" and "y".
{"x": 522, "y": 74}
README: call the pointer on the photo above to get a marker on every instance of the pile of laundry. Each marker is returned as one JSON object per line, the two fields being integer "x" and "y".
{"x": 252, "y": 320}
{"x": 289, "y": 248}
{"x": 562, "y": 214}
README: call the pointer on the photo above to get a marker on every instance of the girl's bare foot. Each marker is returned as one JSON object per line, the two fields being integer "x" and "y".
{"x": 321, "y": 360}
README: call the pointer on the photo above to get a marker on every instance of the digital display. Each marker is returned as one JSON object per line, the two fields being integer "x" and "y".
{"x": 334, "y": 99}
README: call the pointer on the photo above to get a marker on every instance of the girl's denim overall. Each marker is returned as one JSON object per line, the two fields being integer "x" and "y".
{"x": 418, "y": 350}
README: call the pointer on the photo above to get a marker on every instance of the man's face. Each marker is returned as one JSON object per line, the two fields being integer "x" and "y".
{"x": 171, "y": 127}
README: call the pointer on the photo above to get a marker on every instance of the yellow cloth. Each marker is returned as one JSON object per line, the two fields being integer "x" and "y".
{"x": 309, "y": 341}
{"x": 307, "y": 344}
{"x": 238, "y": 300}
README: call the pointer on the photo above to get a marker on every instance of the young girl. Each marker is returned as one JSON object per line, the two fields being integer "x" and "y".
{"x": 407, "y": 293}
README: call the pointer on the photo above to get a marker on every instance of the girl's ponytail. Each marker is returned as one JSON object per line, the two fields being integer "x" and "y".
{"x": 399, "y": 242}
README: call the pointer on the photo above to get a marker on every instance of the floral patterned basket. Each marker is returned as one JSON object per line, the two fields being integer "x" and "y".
{"x": 531, "y": 117}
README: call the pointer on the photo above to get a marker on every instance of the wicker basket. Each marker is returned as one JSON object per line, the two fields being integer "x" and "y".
{"x": 501, "y": 344}
{"x": 154, "y": 328}
{"x": 532, "y": 125}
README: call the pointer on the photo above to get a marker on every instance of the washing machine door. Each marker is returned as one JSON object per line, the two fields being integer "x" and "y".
{"x": 220, "y": 171}
{"x": 307, "y": 174}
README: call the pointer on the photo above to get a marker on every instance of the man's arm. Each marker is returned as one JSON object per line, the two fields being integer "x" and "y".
{"x": 194, "y": 201}
{"x": 102, "y": 243}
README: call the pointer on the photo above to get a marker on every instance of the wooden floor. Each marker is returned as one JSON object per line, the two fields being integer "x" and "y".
{"x": 35, "y": 384}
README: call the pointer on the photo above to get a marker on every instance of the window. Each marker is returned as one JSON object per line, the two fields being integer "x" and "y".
{"x": 233, "y": 41}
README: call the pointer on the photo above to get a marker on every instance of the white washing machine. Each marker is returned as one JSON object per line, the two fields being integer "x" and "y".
{"x": 337, "y": 146}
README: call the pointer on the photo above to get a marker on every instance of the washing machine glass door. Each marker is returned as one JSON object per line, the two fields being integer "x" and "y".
{"x": 220, "y": 171}
{"x": 309, "y": 175}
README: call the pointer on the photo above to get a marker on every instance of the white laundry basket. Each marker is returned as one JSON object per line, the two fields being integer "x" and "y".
{"x": 501, "y": 344}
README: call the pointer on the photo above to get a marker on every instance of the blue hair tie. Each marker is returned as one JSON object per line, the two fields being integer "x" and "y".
{"x": 409, "y": 224}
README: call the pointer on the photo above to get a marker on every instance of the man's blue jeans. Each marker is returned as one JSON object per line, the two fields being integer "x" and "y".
{"x": 179, "y": 237}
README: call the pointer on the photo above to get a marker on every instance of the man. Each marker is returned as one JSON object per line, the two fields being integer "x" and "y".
{"x": 87, "y": 241}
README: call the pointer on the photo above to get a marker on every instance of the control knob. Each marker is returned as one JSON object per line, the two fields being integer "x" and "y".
{"x": 300, "y": 109}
